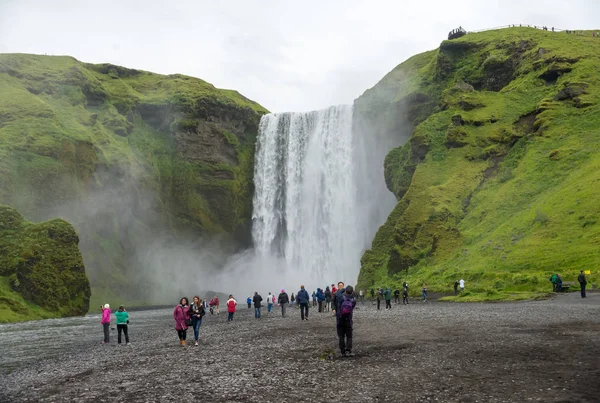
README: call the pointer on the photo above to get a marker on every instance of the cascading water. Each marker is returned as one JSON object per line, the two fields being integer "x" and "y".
{"x": 307, "y": 209}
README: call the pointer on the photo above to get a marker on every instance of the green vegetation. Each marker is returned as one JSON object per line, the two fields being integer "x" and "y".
{"x": 500, "y": 180}
{"x": 41, "y": 269}
{"x": 122, "y": 154}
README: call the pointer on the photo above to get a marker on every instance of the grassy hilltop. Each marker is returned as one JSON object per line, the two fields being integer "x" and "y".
{"x": 124, "y": 155}
{"x": 499, "y": 182}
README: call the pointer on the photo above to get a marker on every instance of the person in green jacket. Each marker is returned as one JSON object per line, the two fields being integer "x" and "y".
{"x": 388, "y": 298}
{"x": 122, "y": 321}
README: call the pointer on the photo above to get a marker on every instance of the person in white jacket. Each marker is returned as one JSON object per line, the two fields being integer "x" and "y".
{"x": 462, "y": 285}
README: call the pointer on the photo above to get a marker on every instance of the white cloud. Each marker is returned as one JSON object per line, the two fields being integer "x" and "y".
{"x": 287, "y": 55}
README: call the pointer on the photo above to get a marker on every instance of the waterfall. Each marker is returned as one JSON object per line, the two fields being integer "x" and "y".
{"x": 306, "y": 204}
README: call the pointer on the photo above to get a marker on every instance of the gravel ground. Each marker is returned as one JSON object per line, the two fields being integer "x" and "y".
{"x": 544, "y": 351}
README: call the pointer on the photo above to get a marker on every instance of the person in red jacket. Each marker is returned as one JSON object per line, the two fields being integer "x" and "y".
{"x": 182, "y": 319}
{"x": 231, "y": 304}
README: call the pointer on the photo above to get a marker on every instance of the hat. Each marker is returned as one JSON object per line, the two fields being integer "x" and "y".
{"x": 282, "y": 290}
{"x": 106, "y": 306}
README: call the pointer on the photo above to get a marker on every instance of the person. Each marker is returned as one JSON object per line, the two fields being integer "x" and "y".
{"x": 257, "y": 299}
{"x": 405, "y": 296}
{"x": 388, "y": 298}
{"x": 361, "y": 294}
{"x": 231, "y": 304}
{"x": 424, "y": 290}
{"x": 462, "y": 285}
{"x": 553, "y": 281}
{"x": 270, "y": 301}
{"x": 372, "y": 293}
{"x": 197, "y": 312}
{"x": 181, "y": 316}
{"x": 292, "y": 299}
{"x": 205, "y": 305}
{"x": 320, "y": 299}
{"x": 327, "y": 298}
{"x": 283, "y": 300}
{"x": 216, "y": 304}
{"x": 105, "y": 321}
{"x": 558, "y": 283}
{"x": 456, "y": 287}
{"x": 303, "y": 300}
{"x": 345, "y": 305}
{"x": 122, "y": 321}
{"x": 249, "y": 302}
{"x": 336, "y": 297}
{"x": 396, "y": 295}
{"x": 379, "y": 294}
{"x": 582, "y": 283}
{"x": 314, "y": 298}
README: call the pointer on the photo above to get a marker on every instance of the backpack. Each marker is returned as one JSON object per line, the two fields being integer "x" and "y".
{"x": 346, "y": 307}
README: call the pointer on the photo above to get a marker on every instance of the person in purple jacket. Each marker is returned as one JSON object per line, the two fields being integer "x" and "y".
{"x": 105, "y": 322}
{"x": 182, "y": 316}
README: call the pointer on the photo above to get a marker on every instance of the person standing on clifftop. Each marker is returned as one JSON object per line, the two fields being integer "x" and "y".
{"x": 105, "y": 321}
{"x": 257, "y": 300}
{"x": 303, "y": 301}
{"x": 283, "y": 300}
{"x": 582, "y": 283}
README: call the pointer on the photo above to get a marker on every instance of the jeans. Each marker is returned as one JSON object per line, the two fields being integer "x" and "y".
{"x": 196, "y": 322}
{"x": 283, "y": 306}
{"x": 405, "y": 299}
{"x": 583, "y": 289}
{"x": 344, "y": 331}
{"x": 425, "y": 295}
{"x": 257, "y": 313}
{"x": 269, "y": 307}
{"x": 249, "y": 305}
{"x": 122, "y": 328}
{"x": 106, "y": 328}
{"x": 230, "y": 316}
{"x": 304, "y": 310}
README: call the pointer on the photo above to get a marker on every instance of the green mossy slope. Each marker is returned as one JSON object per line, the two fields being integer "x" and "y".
{"x": 124, "y": 154}
{"x": 500, "y": 180}
{"x": 41, "y": 269}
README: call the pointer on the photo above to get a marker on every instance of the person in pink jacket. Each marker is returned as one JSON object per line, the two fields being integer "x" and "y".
{"x": 105, "y": 322}
{"x": 182, "y": 317}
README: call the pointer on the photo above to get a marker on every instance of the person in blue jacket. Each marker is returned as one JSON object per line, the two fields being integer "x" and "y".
{"x": 303, "y": 299}
{"x": 320, "y": 298}
{"x": 249, "y": 302}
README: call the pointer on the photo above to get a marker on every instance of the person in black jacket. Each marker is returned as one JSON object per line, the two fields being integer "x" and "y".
{"x": 337, "y": 297}
{"x": 257, "y": 299}
{"x": 196, "y": 312}
{"x": 582, "y": 283}
{"x": 283, "y": 300}
{"x": 303, "y": 299}
{"x": 396, "y": 296}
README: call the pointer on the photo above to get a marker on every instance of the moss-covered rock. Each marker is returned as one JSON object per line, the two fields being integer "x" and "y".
{"x": 43, "y": 265}
{"x": 500, "y": 175}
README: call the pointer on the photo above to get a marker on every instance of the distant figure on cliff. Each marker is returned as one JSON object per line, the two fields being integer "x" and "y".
{"x": 345, "y": 304}
{"x": 231, "y": 304}
{"x": 303, "y": 301}
{"x": 462, "y": 285}
{"x": 396, "y": 295}
{"x": 249, "y": 302}
{"x": 105, "y": 321}
{"x": 582, "y": 283}
{"x": 182, "y": 319}
{"x": 456, "y": 283}
{"x": 257, "y": 299}
{"x": 122, "y": 321}
{"x": 197, "y": 312}
{"x": 283, "y": 300}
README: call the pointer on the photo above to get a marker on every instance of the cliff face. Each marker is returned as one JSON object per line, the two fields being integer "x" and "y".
{"x": 125, "y": 155}
{"x": 499, "y": 181}
{"x": 41, "y": 269}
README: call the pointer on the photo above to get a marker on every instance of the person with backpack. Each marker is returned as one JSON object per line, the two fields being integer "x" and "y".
{"x": 231, "y": 304}
{"x": 327, "y": 298}
{"x": 303, "y": 301}
{"x": 345, "y": 305}
{"x": 283, "y": 300}
{"x": 197, "y": 312}
{"x": 388, "y": 298}
{"x": 257, "y": 300}
{"x": 270, "y": 301}
{"x": 122, "y": 322}
{"x": 249, "y": 302}
{"x": 582, "y": 283}
{"x": 182, "y": 319}
{"x": 105, "y": 321}
{"x": 396, "y": 295}
{"x": 320, "y": 299}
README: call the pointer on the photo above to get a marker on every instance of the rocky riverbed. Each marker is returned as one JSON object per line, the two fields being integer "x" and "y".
{"x": 505, "y": 352}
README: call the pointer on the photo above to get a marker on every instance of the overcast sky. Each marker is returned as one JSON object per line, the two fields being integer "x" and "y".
{"x": 287, "y": 55}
